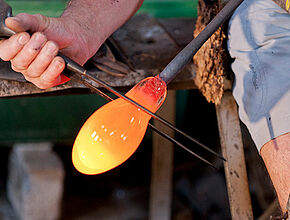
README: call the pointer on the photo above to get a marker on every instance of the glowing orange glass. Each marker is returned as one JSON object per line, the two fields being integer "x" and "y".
{"x": 113, "y": 133}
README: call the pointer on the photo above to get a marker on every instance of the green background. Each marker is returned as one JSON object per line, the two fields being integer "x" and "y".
{"x": 157, "y": 8}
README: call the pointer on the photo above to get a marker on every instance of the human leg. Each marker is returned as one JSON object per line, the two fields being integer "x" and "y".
{"x": 276, "y": 156}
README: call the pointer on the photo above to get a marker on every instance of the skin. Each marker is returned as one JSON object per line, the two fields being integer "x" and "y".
{"x": 276, "y": 154}
{"x": 78, "y": 33}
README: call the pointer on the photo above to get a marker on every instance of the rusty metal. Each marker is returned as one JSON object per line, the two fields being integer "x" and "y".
{"x": 105, "y": 60}
{"x": 116, "y": 68}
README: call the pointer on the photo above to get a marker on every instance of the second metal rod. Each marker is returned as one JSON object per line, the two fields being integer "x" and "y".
{"x": 163, "y": 134}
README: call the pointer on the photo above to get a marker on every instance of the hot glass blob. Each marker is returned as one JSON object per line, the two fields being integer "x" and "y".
{"x": 113, "y": 133}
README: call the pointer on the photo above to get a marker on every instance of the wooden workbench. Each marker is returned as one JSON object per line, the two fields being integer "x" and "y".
{"x": 146, "y": 43}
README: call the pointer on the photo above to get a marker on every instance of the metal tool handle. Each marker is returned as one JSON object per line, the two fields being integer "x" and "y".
{"x": 5, "y": 32}
{"x": 183, "y": 57}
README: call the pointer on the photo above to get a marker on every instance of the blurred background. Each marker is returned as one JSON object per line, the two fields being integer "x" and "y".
{"x": 199, "y": 192}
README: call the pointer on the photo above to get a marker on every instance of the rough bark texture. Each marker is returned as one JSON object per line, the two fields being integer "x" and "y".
{"x": 285, "y": 4}
{"x": 212, "y": 60}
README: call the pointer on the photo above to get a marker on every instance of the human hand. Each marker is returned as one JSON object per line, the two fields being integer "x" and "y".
{"x": 36, "y": 56}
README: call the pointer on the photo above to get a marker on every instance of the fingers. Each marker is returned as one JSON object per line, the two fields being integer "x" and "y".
{"x": 9, "y": 48}
{"x": 42, "y": 60}
{"x": 51, "y": 76}
{"x": 35, "y": 57}
{"x": 16, "y": 24}
{"x": 24, "y": 22}
{"x": 24, "y": 58}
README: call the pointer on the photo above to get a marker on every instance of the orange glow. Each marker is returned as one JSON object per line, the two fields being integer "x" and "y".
{"x": 113, "y": 133}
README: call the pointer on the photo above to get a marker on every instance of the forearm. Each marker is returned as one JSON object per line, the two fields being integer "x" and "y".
{"x": 98, "y": 19}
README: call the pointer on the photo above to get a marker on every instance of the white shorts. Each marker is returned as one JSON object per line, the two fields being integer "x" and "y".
{"x": 259, "y": 43}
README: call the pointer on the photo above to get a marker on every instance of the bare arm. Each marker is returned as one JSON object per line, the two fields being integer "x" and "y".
{"x": 276, "y": 154}
{"x": 78, "y": 33}
{"x": 98, "y": 19}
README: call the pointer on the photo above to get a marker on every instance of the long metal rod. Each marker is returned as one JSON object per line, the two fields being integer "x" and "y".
{"x": 161, "y": 133}
{"x": 184, "y": 56}
{"x": 76, "y": 69}
{"x": 175, "y": 66}
{"x": 168, "y": 124}
{"x": 179, "y": 144}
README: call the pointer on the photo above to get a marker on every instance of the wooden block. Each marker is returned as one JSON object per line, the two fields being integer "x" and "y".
{"x": 35, "y": 182}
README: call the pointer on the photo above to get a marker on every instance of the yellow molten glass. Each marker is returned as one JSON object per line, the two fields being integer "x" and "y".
{"x": 113, "y": 133}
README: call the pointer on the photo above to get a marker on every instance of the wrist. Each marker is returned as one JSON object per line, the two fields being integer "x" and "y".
{"x": 91, "y": 22}
{"x": 84, "y": 42}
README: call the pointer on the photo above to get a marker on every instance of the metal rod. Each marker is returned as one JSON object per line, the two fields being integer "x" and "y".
{"x": 168, "y": 124}
{"x": 179, "y": 144}
{"x": 184, "y": 56}
{"x": 161, "y": 133}
{"x": 76, "y": 69}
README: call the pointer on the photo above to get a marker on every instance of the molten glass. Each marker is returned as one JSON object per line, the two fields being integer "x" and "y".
{"x": 113, "y": 133}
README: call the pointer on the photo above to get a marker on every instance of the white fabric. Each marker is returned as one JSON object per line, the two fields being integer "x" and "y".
{"x": 259, "y": 42}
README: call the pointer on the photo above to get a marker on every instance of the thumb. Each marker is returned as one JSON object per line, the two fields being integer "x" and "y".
{"x": 27, "y": 22}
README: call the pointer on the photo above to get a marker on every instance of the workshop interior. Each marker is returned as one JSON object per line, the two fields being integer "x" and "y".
{"x": 161, "y": 178}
